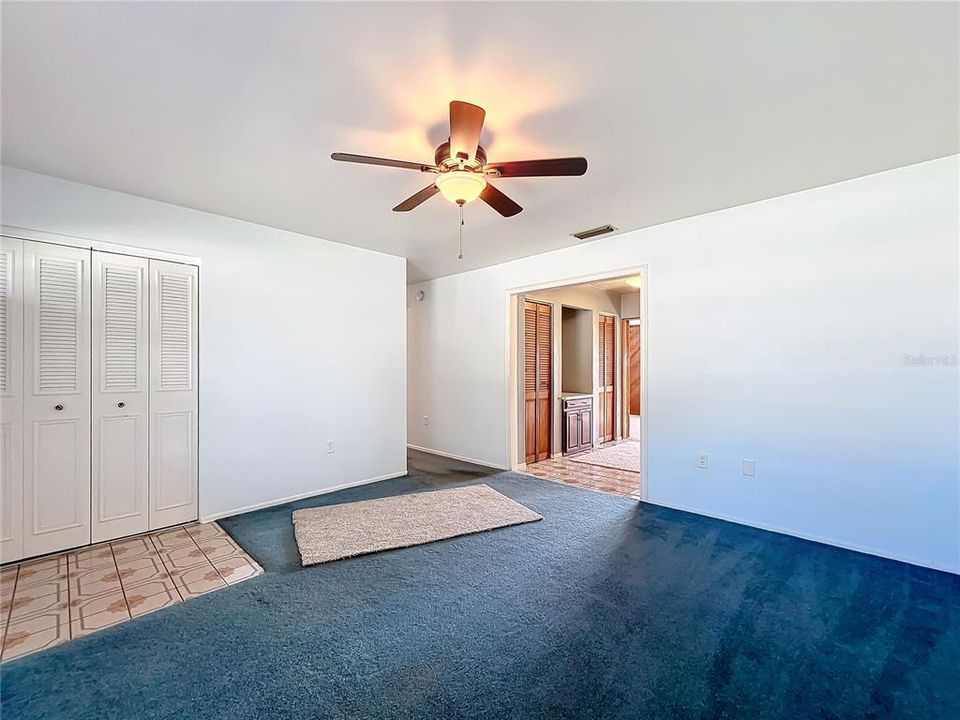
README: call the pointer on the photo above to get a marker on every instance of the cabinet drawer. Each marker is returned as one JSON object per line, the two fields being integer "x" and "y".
{"x": 577, "y": 403}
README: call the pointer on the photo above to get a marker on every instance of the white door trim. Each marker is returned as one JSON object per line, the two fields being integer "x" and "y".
{"x": 514, "y": 341}
{"x": 88, "y": 244}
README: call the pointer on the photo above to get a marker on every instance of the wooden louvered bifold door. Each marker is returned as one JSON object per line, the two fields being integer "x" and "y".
{"x": 530, "y": 380}
{"x": 537, "y": 379}
{"x": 634, "y": 356}
{"x": 607, "y": 363}
{"x": 544, "y": 379}
{"x": 119, "y": 460}
{"x": 173, "y": 393}
{"x": 56, "y": 408}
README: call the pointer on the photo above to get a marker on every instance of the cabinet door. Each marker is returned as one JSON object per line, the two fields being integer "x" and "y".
{"x": 56, "y": 442}
{"x": 173, "y": 393}
{"x": 571, "y": 438}
{"x": 586, "y": 428}
{"x": 11, "y": 399}
{"x": 120, "y": 396}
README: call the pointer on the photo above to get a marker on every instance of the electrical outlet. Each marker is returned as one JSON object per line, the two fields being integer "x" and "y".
{"x": 331, "y": 446}
{"x": 703, "y": 462}
{"x": 749, "y": 467}
{"x": 426, "y": 419}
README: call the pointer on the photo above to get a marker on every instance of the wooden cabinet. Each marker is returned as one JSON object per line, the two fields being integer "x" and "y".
{"x": 577, "y": 424}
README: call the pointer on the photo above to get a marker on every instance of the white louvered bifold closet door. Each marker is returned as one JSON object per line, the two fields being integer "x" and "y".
{"x": 11, "y": 399}
{"x": 119, "y": 461}
{"x": 56, "y": 439}
{"x": 173, "y": 393}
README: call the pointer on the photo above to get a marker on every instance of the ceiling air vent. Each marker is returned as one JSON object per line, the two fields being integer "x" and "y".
{"x": 594, "y": 232}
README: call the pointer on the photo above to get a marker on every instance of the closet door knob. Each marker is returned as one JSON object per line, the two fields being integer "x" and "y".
{"x": 58, "y": 408}
{"x": 120, "y": 404}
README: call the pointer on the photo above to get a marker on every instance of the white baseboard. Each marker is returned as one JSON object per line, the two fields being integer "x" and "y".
{"x": 955, "y": 570}
{"x": 299, "y": 496}
{"x": 815, "y": 538}
{"x": 456, "y": 457}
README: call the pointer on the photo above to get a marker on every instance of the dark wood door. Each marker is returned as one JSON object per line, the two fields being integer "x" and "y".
{"x": 633, "y": 343}
{"x": 537, "y": 379}
{"x": 607, "y": 409}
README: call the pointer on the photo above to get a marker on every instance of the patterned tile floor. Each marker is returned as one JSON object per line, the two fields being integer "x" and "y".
{"x": 594, "y": 477}
{"x": 49, "y": 601}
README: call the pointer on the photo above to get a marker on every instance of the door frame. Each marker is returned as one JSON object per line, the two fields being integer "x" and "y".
{"x": 20, "y": 233}
{"x": 513, "y": 362}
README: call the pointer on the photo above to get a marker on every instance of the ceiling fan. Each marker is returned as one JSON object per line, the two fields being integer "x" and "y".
{"x": 461, "y": 166}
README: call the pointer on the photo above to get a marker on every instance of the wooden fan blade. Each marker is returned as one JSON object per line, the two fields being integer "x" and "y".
{"x": 538, "y": 168}
{"x": 386, "y": 162}
{"x": 466, "y": 122}
{"x": 411, "y": 202}
{"x": 499, "y": 202}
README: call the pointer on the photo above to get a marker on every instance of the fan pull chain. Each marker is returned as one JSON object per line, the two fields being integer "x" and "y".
{"x": 460, "y": 256}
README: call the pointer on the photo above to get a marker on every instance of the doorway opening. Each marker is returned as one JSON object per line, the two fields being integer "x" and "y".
{"x": 574, "y": 407}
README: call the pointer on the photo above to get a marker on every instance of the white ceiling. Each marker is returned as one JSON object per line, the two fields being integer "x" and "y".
{"x": 680, "y": 108}
{"x": 618, "y": 286}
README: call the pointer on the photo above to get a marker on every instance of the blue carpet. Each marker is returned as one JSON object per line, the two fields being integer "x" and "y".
{"x": 605, "y": 609}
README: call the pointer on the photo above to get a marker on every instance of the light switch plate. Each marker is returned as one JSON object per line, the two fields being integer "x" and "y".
{"x": 749, "y": 467}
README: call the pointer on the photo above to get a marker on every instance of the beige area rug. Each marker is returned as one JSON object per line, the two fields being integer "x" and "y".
{"x": 335, "y": 532}
{"x": 624, "y": 455}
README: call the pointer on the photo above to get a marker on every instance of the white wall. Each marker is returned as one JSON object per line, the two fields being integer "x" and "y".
{"x": 301, "y": 340}
{"x": 630, "y": 305}
{"x": 777, "y": 331}
{"x": 576, "y": 350}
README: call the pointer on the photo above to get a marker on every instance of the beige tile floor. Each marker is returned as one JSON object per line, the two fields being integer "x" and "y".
{"x": 593, "y": 477}
{"x": 49, "y": 601}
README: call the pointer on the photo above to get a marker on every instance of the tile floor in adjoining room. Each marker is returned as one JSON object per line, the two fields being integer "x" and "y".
{"x": 593, "y": 477}
{"x": 51, "y": 600}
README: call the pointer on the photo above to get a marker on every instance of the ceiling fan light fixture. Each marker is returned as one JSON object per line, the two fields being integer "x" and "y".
{"x": 461, "y": 186}
{"x": 461, "y": 169}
